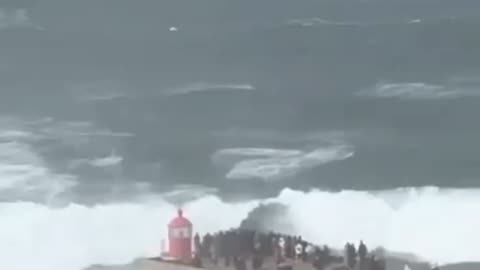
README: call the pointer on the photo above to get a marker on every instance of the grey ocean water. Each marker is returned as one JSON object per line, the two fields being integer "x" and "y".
{"x": 104, "y": 101}
{"x": 395, "y": 80}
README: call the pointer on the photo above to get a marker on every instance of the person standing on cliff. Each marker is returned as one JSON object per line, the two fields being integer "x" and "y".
{"x": 197, "y": 244}
{"x": 362, "y": 255}
{"x": 351, "y": 255}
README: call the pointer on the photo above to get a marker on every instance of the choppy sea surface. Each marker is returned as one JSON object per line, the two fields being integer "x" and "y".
{"x": 359, "y": 116}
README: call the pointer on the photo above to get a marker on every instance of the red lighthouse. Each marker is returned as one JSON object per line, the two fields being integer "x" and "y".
{"x": 180, "y": 237}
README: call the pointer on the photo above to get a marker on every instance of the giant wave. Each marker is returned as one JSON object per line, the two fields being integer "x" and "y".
{"x": 423, "y": 221}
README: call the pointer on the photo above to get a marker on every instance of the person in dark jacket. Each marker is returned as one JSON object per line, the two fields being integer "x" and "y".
{"x": 197, "y": 244}
{"x": 362, "y": 251}
{"x": 351, "y": 255}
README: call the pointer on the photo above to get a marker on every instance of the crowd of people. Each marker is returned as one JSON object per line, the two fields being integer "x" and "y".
{"x": 238, "y": 247}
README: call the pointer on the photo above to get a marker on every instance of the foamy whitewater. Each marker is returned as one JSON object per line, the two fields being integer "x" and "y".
{"x": 434, "y": 224}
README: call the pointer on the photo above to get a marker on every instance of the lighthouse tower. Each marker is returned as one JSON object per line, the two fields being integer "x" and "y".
{"x": 180, "y": 237}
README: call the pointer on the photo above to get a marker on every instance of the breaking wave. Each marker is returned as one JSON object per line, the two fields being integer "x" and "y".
{"x": 75, "y": 236}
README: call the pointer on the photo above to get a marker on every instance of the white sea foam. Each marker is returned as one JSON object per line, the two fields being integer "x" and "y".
{"x": 415, "y": 21}
{"x": 111, "y": 160}
{"x": 271, "y": 164}
{"x": 70, "y": 238}
{"x": 306, "y": 22}
{"x": 202, "y": 87}
{"x": 24, "y": 174}
{"x": 418, "y": 91}
{"x": 15, "y": 128}
{"x": 315, "y": 21}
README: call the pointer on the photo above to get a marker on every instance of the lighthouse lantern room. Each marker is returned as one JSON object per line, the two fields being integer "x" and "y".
{"x": 180, "y": 237}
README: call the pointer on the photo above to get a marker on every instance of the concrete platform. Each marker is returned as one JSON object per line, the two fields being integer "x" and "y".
{"x": 155, "y": 264}
{"x": 144, "y": 264}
